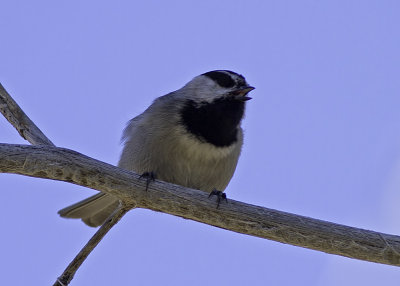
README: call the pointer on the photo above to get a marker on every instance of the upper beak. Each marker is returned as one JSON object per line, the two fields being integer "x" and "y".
{"x": 241, "y": 93}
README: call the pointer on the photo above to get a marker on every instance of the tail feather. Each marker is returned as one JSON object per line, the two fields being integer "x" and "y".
{"x": 93, "y": 211}
{"x": 100, "y": 217}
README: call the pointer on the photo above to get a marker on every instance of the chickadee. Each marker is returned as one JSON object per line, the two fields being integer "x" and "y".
{"x": 190, "y": 137}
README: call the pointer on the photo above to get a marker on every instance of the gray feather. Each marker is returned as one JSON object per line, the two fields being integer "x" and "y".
{"x": 156, "y": 141}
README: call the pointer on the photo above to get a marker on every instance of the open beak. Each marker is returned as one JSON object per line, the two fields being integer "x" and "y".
{"x": 241, "y": 93}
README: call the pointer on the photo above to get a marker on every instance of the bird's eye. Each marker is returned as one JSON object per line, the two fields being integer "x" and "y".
{"x": 221, "y": 78}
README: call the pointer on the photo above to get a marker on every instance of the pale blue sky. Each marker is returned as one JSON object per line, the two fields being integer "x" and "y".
{"x": 322, "y": 132}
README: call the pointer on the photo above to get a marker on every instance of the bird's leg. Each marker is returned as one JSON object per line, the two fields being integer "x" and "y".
{"x": 149, "y": 176}
{"x": 220, "y": 196}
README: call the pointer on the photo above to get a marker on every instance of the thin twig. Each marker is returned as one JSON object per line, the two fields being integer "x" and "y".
{"x": 29, "y": 131}
{"x": 69, "y": 166}
{"x": 25, "y": 127}
{"x": 70, "y": 271}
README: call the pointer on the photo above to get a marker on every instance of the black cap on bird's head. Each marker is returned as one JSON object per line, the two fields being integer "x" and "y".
{"x": 225, "y": 78}
{"x": 216, "y": 84}
{"x": 231, "y": 80}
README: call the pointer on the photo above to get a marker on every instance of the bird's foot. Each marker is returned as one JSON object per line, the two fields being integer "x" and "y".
{"x": 220, "y": 196}
{"x": 149, "y": 176}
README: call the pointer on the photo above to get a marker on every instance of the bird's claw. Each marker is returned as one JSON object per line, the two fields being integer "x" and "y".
{"x": 220, "y": 196}
{"x": 149, "y": 176}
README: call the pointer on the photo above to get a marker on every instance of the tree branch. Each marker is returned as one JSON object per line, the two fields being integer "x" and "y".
{"x": 29, "y": 131}
{"x": 69, "y": 166}
{"x": 69, "y": 272}
{"x": 47, "y": 161}
{"x": 25, "y": 127}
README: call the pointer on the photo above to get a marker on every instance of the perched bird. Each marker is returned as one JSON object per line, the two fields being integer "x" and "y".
{"x": 190, "y": 137}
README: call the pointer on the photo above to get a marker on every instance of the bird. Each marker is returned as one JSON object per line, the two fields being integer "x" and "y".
{"x": 190, "y": 137}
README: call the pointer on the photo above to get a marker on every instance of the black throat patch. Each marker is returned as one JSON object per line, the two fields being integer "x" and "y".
{"x": 216, "y": 122}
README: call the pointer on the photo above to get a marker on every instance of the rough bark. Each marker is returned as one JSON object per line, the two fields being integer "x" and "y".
{"x": 70, "y": 166}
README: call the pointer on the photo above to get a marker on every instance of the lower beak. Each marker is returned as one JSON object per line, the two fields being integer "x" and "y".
{"x": 241, "y": 93}
{"x": 245, "y": 98}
